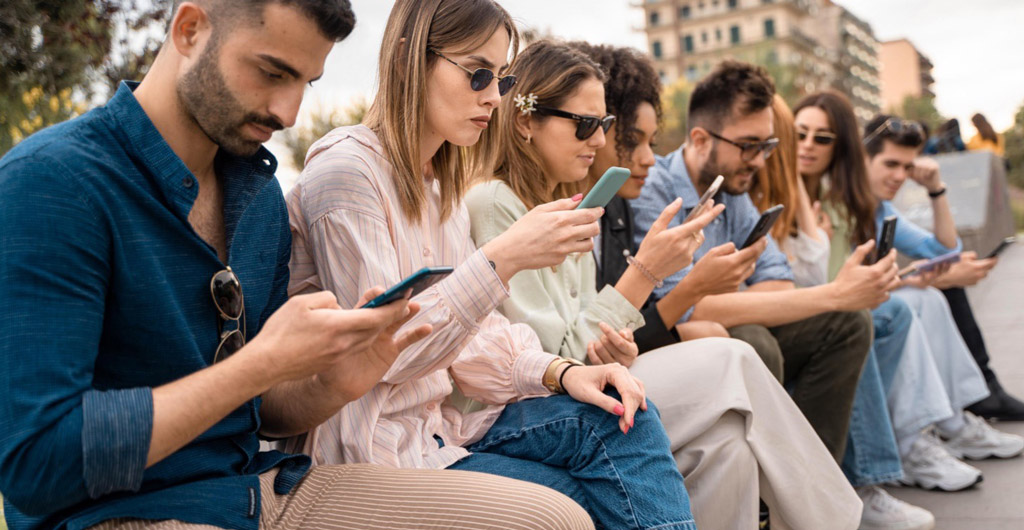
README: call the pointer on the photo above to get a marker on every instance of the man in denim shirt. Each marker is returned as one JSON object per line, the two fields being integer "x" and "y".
{"x": 128, "y": 236}
{"x": 815, "y": 340}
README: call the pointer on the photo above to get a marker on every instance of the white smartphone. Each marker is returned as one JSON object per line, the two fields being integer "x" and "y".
{"x": 712, "y": 190}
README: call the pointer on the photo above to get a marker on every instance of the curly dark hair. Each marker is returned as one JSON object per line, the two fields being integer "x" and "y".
{"x": 631, "y": 81}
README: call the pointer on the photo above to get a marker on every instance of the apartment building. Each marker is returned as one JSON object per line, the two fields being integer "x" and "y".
{"x": 904, "y": 72}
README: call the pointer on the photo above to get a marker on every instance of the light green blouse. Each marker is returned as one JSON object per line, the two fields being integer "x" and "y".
{"x": 560, "y": 303}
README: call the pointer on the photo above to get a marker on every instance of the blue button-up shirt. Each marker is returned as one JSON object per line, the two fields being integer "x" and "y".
{"x": 669, "y": 179}
{"x": 105, "y": 293}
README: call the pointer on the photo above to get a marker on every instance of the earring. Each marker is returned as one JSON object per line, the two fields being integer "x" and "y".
{"x": 528, "y": 138}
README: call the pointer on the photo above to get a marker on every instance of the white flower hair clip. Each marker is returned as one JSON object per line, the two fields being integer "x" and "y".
{"x": 526, "y": 104}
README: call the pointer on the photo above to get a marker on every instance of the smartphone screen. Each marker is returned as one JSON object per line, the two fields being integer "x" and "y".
{"x": 711, "y": 192}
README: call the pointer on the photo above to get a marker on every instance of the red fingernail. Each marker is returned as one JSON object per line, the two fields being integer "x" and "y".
{"x": 577, "y": 197}
{"x": 619, "y": 410}
{"x": 627, "y": 430}
{"x": 631, "y": 424}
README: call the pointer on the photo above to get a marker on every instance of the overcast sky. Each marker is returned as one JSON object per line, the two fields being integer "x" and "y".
{"x": 976, "y": 46}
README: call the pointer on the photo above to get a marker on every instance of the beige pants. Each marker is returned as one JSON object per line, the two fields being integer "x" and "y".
{"x": 736, "y": 436}
{"x": 357, "y": 497}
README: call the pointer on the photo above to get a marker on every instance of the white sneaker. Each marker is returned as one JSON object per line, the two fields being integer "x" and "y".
{"x": 978, "y": 440}
{"x": 930, "y": 466}
{"x": 885, "y": 512}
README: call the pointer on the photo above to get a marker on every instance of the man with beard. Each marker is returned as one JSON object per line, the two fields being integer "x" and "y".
{"x": 137, "y": 378}
{"x": 814, "y": 340}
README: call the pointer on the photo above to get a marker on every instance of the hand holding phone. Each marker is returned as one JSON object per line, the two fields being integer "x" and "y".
{"x": 606, "y": 188}
{"x": 886, "y": 238}
{"x": 764, "y": 225}
{"x": 412, "y": 285}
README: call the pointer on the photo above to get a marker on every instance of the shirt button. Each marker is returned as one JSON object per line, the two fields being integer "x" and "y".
{"x": 431, "y": 406}
{"x": 187, "y": 182}
{"x": 266, "y": 161}
{"x": 426, "y": 252}
{"x": 621, "y": 222}
{"x": 625, "y": 252}
{"x": 572, "y": 292}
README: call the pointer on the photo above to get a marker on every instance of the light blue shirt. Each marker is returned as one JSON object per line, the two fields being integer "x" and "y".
{"x": 668, "y": 180}
{"x": 912, "y": 240}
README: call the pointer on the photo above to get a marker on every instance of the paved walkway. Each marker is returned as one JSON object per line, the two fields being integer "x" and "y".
{"x": 998, "y": 502}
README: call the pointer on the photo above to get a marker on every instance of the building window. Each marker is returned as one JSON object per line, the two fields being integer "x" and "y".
{"x": 654, "y": 18}
{"x": 703, "y": 37}
{"x": 688, "y": 43}
{"x": 734, "y": 34}
{"x": 732, "y": 4}
{"x": 684, "y": 12}
{"x": 691, "y": 73}
{"x": 718, "y": 34}
{"x": 656, "y": 49}
{"x": 769, "y": 28}
{"x": 700, "y": 6}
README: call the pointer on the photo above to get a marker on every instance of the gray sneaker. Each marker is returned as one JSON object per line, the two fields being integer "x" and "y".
{"x": 978, "y": 440}
{"x": 882, "y": 511}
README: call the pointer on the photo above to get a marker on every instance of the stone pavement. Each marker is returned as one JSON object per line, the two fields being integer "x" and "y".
{"x": 998, "y": 502}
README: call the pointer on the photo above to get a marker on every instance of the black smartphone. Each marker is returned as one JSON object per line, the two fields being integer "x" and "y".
{"x": 886, "y": 238}
{"x": 416, "y": 283}
{"x": 764, "y": 225}
{"x": 1003, "y": 245}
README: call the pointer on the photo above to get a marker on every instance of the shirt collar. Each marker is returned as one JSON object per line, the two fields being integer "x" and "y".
{"x": 244, "y": 176}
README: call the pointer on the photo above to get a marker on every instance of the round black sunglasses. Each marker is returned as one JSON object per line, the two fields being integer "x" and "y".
{"x": 481, "y": 78}
{"x": 586, "y": 126}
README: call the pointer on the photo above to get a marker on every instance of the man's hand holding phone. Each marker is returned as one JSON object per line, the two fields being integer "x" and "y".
{"x": 722, "y": 269}
{"x": 859, "y": 286}
{"x": 346, "y": 350}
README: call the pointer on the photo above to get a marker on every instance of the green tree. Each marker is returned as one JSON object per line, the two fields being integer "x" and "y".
{"x": 320, "y": 122}
{"x": 675, "y": 106}
{"x": 922, "y": 109}
{"x": 56, "y": 56}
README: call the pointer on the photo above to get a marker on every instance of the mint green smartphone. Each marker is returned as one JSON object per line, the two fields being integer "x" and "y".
{"x": 606, "y": 188}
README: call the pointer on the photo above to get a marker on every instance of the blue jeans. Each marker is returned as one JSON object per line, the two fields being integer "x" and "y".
{"x": 872, "y": 456}
{"x": 623, "y": 481}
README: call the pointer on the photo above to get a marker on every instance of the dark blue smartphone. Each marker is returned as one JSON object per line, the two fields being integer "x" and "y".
{"x": 416, "y": 283}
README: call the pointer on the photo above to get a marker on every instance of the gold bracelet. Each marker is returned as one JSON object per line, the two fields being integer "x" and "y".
{"x": 551, "y": 381}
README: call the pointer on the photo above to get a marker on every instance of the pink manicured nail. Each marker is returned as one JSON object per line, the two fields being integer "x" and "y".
{"x": 619, "y": 410}
{"x": 631, "y": 424}
{"x": 577, "y": 197}
{"x": 627, "y": 430}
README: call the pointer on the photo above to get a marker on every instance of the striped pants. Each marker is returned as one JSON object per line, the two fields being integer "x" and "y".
{"x": 360, "y": 496}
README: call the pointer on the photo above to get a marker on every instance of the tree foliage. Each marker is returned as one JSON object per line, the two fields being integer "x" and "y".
{"x": 922, "y": 109}
{"x": 1015, "y": 149}
{"x": 320, "y": 122}
{"x": 57, "y": 56}
{"x": 675, "y": 105}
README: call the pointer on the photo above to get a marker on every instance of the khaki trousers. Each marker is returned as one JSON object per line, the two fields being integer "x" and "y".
{"x": 358, "y": 497}
{"x": 737, "y": 435}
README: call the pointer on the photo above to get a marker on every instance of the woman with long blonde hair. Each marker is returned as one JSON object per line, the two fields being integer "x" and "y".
{"x": 379, "y": 201}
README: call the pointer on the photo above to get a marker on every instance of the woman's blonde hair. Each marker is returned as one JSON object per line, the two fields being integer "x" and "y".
{"x": 776, "y": 181}
{"x": 551, "y": 71}
{"x": 398, "y": 110}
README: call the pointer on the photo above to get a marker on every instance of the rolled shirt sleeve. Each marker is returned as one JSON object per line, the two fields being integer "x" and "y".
{"x": 61, "y": 440}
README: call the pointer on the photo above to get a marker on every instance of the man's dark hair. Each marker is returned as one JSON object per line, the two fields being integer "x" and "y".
{"x": 732, "y": 84}
{"x": 335, "y": 18}
{"x": 631, "y": 81}
{"x": 903, "y": 136}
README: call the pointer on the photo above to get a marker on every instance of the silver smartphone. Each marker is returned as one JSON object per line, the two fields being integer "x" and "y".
{"x": 712, "y": 190}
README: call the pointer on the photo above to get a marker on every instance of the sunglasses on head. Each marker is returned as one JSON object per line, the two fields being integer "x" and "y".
{"x": 226, "y": 290}
{"x": 749, "y": 150}
{"x": 586, "y": 126}
{"x": 820, "y": 137}
{"x": 896, "y": 127}
{"x": 481, "y": 78}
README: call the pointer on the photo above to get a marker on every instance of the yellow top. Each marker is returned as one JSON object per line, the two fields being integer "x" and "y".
{"x": 978, "y": 143}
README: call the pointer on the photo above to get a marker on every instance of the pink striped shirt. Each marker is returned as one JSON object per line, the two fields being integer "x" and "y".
{"x": 349, "y": 234}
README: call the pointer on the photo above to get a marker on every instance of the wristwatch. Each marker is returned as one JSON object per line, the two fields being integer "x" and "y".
{"x": 551, "y": 380}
